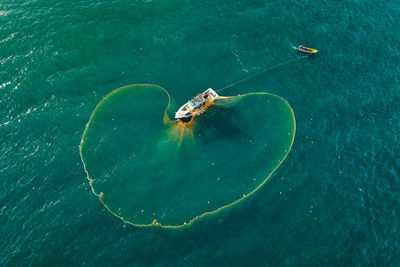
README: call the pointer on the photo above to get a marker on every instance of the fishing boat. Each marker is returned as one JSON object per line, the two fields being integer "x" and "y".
{"x": 196, "y": 105}
{"x": 307, "y": 50}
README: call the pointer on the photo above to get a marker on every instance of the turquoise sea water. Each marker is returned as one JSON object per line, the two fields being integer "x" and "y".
{"x": 334, "y": 201}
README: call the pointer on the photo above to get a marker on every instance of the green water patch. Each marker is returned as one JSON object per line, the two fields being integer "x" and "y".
{"x": 151, "y": 171}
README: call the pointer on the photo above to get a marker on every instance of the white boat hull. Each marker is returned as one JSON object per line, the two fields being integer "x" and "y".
{"x": 196, "y": 105}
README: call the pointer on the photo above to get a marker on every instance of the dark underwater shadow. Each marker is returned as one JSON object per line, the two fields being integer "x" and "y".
{"x": 220, "y": 122}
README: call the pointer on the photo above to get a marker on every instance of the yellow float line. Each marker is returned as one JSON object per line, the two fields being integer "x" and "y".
{"x": 168, "y": 120}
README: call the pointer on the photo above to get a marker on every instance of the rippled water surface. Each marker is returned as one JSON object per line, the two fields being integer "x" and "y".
{"x": 334, "y": 201}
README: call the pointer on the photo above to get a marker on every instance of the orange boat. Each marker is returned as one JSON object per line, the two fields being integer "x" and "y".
{"x": 307, "y": 50}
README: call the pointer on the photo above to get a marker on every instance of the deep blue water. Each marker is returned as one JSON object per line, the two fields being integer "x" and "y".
{"x": 334, "y": 201}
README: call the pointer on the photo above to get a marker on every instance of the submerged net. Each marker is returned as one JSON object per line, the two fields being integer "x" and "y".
{"x": 149, "y": 170}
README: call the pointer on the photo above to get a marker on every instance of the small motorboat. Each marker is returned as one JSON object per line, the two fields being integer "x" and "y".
{"x": 307, "y": 50}
{"x": 196, "y": 105}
